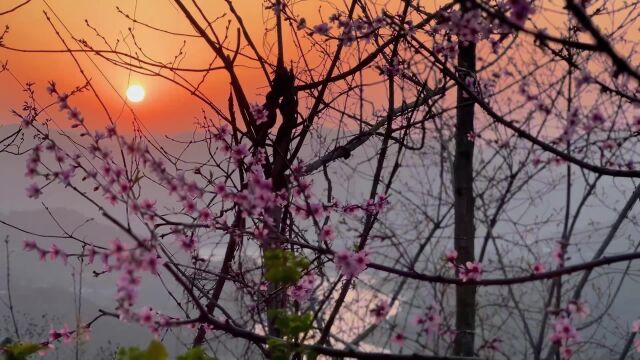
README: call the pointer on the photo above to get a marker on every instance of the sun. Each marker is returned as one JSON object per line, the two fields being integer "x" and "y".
{"x": 135, "y": 93}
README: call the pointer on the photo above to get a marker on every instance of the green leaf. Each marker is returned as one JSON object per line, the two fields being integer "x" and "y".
{"x": 21, "y": 351}
{"x": 279, "y": 350}
{"x": 291, "y": 325}
{"x": 130, "y": 353}
{"x": 283, "y": 267}
{"x": 155, "y": 351}
{"x": 197, "y": 353}
{"x": 311, "y": 355}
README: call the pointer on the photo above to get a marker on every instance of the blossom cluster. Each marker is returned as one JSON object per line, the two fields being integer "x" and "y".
{"x": 117, "y": 180}
{"x": 430, "y": 321}
{"x": 520, "y": 11}
{"x": 303, "y": 289}
{"x": 594, "y": 121}
{"x": 466, "y": 26}
{"x": 564, "y": 333}
{"x": 635, "y": 328}
{"x": 54, "y": 252}
{"x": 351, "y": 29}
{"x": 66, "y": 334}
{"x": 351, "y": 263}
{"x": 469, "y": 271}
{"x": 259, "y": 113}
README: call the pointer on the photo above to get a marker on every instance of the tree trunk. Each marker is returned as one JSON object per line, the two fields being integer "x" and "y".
{"x": 283, "y": 86}
{"x": 464, "y": 229}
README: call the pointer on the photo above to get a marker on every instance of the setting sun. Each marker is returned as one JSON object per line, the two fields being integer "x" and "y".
{"x": 135, "y": 93}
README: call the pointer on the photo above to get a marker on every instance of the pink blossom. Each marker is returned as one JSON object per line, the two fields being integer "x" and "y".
{"x": 635, "y": 326}
{"x": 151, "y": 262}
{"x": 303, "y": 187}
{"x": 469, "y": 26}
{"x": 392, "y": 69}
{"x": 347, "y": 38}
{"x": 34, "y": 191}
{"x": 343, "y": 259}
{"x": 91, "y": 254}
{"x": 32, "y": 170}
{"x": 277, "y": 7}
{"x": 134, "y": 207}
{"x": 51, "y": 88}
{"x": 321, "y": 29}
{"x": 204, "y": 215}
{"x": 111, "y": 197}
{"x": 351, "y": 264}
{"x": 239, "y": 152}
{"x": 187, "y": 243}
{"x": 220, "y": 188}
{"x": 316, "y": 210}
{"x": 579, "y": 308}
{"x": 380, "y": 311}
{"x": 571, "y": 127}
{"x": 42, "y": 254}
{"x": 66, "y": 175}
{"x": 190, "y": 206}
{"x": 66, "y": 334}
{"x": 148, "y": 205}
{"x": 350, "y": 209}
{"x": 123, "y": 187}
{"x": 259, "y": 113}
{"x": 59, "y": 155}
{"x": 146, "y": 316}
{"x": 563, "y": 330}
{"x": 447, "y": 48}
{"x": 451, "y": 255}
{"x": 557, "y": 161}
{"x": 520, "y": 11}
{"x": 327, "y": 234}
{"x": 558, "y": 254}
{"x": 430, "y": 320}
{"x": 261, "y": 233}
{"x": 398, "y": 339}
{"x": 471, "y": 271}
{"x": 303, "y": 290}
{"x": 29, "y": 245}
{"x": 55, "y": 252}
{"x": 374, "y": 206}
{"x": 565, "y": 352}
{"x": 597, "y": 119}
{"x": 127, "y": 290}
{"x": 493, "y": 344}
{"x": 54, "y": 335}
{"x": 117, "y": 248}
{"x": 584, "y": 78}
{"x": 538, "y": 267}
{"x": 104, "y": 257}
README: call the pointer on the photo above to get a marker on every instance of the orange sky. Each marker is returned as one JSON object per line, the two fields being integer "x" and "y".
{"x": 166, "y": 106}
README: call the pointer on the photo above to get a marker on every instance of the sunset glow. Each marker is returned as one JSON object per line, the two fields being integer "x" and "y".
{"x": 135, "y": 93}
